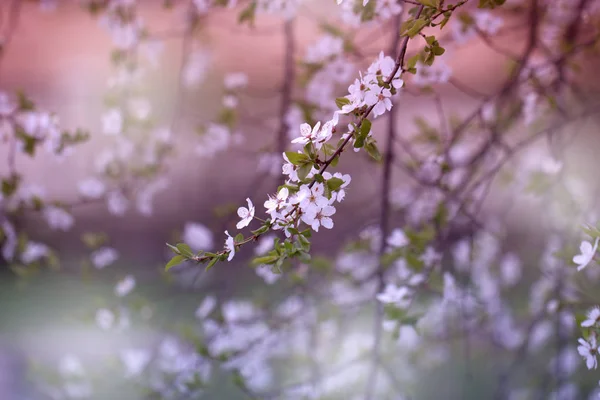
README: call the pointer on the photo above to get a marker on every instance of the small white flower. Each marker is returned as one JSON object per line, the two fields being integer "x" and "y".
{"x": 587, "y": 252}
{"x": 117, "y": 203}
{"x": 275, "y": 203}
{"x": 206, "y": 307}
{"x": 105, "y": 319}
{"x": 399, "y": 296}
{"x": 265, "y": 244}
{"x": 33, "y": 252}
{"x": 197, "y": 236}
{"x": 510, "y": 269}
{"x": 593, "y": 316}
{"x": 316, "y": 217}
{"x": 140, "y": 108}
{"x": 70, "y": 366}
{"x": 112, "y": 122}
{"x": 104, "y": 257}
{"x": 397, "y": 238}
{"x": 134, "y": 360}
{"x": 588, "y": 350}
{"x": 58, "y": 219}
{"x": 230, "y": 101}
{"x": 195, "y": 68}
{"x": 307, "y": 134}
{"x": 230, "y": 245}
{"x": 92, "y": 188}
{"x": 246, "y": 214}
{"x": 235, "y": 80}
{"x": 267, "y": 274}
{"x": 125, "y": 286}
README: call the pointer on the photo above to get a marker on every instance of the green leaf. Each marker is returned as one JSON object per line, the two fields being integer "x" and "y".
{"x": 438, "y": 50}
{"x": 373, "y": 151}
{"x": 365, "y": 128}
{"x": 412, "y": 62}
{"x": 185, "y": 250}
{"x": 335, "y": 161}
{"x": 296, "y": 158}
{"x": 430, "y": 3}
{"x": 304, "y": 170}
{"x": 212, "y": 263}
{"x": 173, "y": 248}
{"x": 334, "y": 183}
{"x": 238, "y": 238}
{"x": 174, "y": 261}
{"x": 270, "y": 259}
{"x": 261, "y": 230}
{"x": 416, "y": 27}
{"x": 10, "y": 185}
{"x": 248, "y": 14}
{"x": 341, "y": 101}
{"x": 23, "y": 102}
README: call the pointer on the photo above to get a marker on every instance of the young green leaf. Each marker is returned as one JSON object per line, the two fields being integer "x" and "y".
{"x": 296, "y": 158}
{"x": 176, "y": 260}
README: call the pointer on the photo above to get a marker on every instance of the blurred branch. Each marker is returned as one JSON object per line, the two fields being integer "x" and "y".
{"x": 384, "y": 219}
{"x": 288, "y": 84}
{"x": 11, "y": 25}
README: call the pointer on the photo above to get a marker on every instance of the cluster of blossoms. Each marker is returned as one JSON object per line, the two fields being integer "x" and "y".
{"x": 380, "y": 10}
{"x": 368, "y": 91}
{"x": 588, "y": 347}
{"x": 309, "y": 193}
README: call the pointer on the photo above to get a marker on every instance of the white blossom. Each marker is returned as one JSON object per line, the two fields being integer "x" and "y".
{"x": 206, "y": 307}
{"x": 588, "y": 349}
{"x": 125, "y": 286}
{"x": 57, "y": 218}
{"x": 33, "y": 252}
{"x": 105, "y": 319}
{"x": 593, "y": 317}
{"x": 230, "y": 246}
{"x": 399, "y": 296}
{"x": 112, "y": 122}
{"x": 134, "y": 361}
{"x": 587, "y": 252}
{"x": 197, "y": 236}
{"x": 246, "y": 215}
{"x": 104, "y": 257}
{"x": 92, "y": 188}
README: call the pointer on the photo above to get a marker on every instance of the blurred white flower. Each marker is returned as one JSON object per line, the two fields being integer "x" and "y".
{"x": 195, "y": 68}
{"x": 112, "y": 122}
{"x": 235, "y": 80}
{"x": 58, "y": 219}
{"x": 117, "y": 203}
{"x": 140, "y": 108}
{"x": 197, "y": 236}
{"x": 70, "y": 365}
{"x": 206, "y": 307}
{"x": 267, "y": 274}
{"x": 33, "y": 252}
{"x": 125, "y": 286}
{"x": 105, "y": 319}
{"x": 92, "y": 188}
{"x": 397, "y": 238}
{"x": 587, "y": 252}
{"x": 134, "y": 360}
{"x": 104, "y": 257}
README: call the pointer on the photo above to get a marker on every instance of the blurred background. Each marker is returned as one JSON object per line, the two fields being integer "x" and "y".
{"x": 60, "y": 55}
